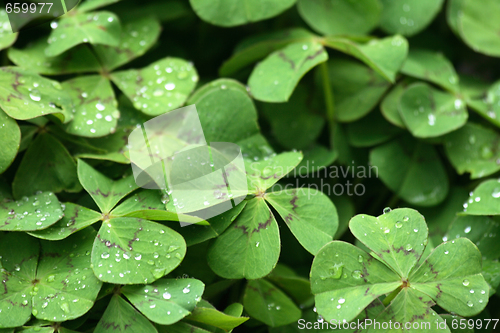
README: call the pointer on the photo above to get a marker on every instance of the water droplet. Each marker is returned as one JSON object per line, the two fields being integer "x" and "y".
{"x": 467, "y": 229}
{"x": 387, "y": 210}
{"x": 158, "y": 273}
{"x": 341, "y": 300}
{"x": 496, "y": 193}
{"x": 360, "y": 258}
{"x": 466, "y": 282}
{"x": 166, "y": 295}
{"x": 186, "y": 290}
{"x": 335, "y": 272}
{"x": 470, "y": 304}
{"x": 51, "y": 278}
{"x": 34, "y": 312}
{"x": 65, "y": 307}
{"x": 35, "y": 95}
{"x": 446, "y": 252}
{"x": 356, "y": 274}
{"x": 138, "y": 256}
{"x": 387, "y": 230}
{"x": 105, "y": 255}
{"x": 398, "y": 224}
{"x": 431, "y": 119}
{"x": 486, "y": 152}
{"x": 170, "y": 86}
{"x": 100, "y": 106}
{"x": 408, "y": 247}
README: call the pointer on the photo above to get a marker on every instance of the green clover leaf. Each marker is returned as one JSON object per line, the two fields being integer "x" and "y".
{"x": 346, "y": 279}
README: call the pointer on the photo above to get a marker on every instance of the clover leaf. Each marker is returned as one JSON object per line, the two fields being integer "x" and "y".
{"x": 228, "y": 13}
{"x": 275, "y": 78}
{"x": 357, "y": 88}
{"x": 11, "y": 135}
{"x": 167, "y": 300}
{"x": 257, "y": 246}
{"x": 346, "y": 279}
{"x": 95, "y": 28}
{"x": 51, "y": 280}
{"x": 385, "y": 56}
{"x": 428, "y": 112}
{"x": 412, "y": 170}
{"x": 26, "y": 95}
{"x": 38, "y": 160}
{"x": 484, "y": 199}
{"x": 337, "y": 17}
{"x": 30, "y": 213}
{"x": 408, "y": 18}
{"x": 162, "y": 86}
{"x": 473, "y": 149}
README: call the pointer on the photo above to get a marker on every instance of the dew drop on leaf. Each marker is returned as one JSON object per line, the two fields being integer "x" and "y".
{"x": 356, "y": 274}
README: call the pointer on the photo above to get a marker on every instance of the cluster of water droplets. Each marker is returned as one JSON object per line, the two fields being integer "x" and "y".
{"x": 39, "y": 210}
{"x": 97, "y": 19}
{"x": 92, "y": 116}
{"x": 473, "y": 199}
{"x": 164, "y": 85}
{"x": 31, "y": 93}
{"x": 118, "y": 262}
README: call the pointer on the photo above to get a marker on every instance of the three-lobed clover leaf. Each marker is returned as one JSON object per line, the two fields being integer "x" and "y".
{"x": 346, "y": 279}
{"x": 254, "y": 236}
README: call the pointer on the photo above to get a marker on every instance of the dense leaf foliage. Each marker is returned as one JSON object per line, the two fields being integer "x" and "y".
{"x": 369, "y": 137}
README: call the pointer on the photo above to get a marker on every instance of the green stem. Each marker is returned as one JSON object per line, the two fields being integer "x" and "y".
{"x": 391, "y": 296}
{"x": 327, "y": 90}
{"x": 329, "y": 100}
{"x": 393, "y": 201}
